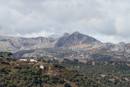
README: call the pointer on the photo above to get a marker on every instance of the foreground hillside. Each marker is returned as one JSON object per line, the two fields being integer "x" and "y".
{"x": 111, "y": 73}
{"x": 15, "y": 73}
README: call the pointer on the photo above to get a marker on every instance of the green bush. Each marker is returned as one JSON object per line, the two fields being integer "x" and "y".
{"x": 12, "y": 63}
{"x": 61, "y": 81}
{"x": 43, "y": 60}
{"x": 1, "y": 58}
{"x": 71, "y": 67}
{"x": 66, "y": 84}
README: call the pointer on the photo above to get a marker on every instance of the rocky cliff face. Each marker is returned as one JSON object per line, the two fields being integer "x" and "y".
{"x": 76, "y": 39}
{"x": 14, "y": 44}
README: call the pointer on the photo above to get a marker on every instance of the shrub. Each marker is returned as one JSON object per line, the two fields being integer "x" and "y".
{"x": 71, "y": 67}
{"x": 12, "y": 63}
{"x": 1, "y": 58}
{"x": 61, "y": 81}
{"x": 14, "y": 59}
{"x": 66, "y": 84}
{"x": 43, "y": 60}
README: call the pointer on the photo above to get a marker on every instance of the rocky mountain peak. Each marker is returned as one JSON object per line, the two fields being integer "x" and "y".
{"x": 76, "y": 33}
{"x": 66, "y": 34}
{"x": 75, "y": 39}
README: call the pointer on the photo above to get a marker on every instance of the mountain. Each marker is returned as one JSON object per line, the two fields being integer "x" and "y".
{"x": 71, "y": 46}
{"x": 121, "y": 43}
{"x": 128, "y": 45}
{"x": 14, "y": 44}
{"x": 75, "y": 39}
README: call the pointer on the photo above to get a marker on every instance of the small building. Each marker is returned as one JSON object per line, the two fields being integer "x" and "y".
{"x": 33, "y": 60}
{"x": 23, "y": 59}
{"x": 41, "y": 66}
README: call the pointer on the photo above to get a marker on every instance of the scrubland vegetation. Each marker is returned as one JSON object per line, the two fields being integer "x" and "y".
{"x": 14, "y": 73}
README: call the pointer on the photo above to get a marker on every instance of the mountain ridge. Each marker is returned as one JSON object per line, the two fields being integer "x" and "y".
{"x": 75, "y": 38}
{"x": 15, "y": 44}
{"x": 72, "y": 46}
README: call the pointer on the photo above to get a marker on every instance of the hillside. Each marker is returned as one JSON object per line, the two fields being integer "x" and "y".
{"x": 16, "y": 73}
{"x": 111, "y": 73}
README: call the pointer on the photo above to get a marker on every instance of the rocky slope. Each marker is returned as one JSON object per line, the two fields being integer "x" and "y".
{"x": 14, "y": 44}
{"x": 77, "y": 40}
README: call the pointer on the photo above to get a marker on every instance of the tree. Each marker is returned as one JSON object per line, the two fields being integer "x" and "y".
{"x": 76, "y": 60}
{"x": 71, "y": 67}
{"x": 61, "y": 81}
{"x": 43, "y": 60}
{"x": 49, "y": 61}
{"x": 6, "y": 53}
{"x": 1, "y": 58}
{"x": 66, "y": 84}
{"x": 12, "y": 63}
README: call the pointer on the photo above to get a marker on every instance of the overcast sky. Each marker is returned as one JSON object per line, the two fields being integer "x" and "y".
{"x": 106, "y": 20}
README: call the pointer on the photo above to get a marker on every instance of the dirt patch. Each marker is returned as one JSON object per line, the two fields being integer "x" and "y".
{"x": 83, "y": 61}
{"x": 103, "y": 75}
{"x": 112, "y": 79}
{"x": 126, "y": 79}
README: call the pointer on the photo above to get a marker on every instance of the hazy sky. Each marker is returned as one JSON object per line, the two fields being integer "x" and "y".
{"x": 106, "y": 20}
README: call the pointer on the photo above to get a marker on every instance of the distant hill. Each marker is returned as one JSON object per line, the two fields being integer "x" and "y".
{"x": 128, "y": 45}
{"x": 14, "y": 44}
{"x": 121, "y": 43}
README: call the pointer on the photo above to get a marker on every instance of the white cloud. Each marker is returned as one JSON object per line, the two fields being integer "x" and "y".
{"x": 105, "y": 20}
{"x": 42, "y": 33}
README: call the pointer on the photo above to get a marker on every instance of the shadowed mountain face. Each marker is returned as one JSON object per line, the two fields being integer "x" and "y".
{"x": 75, "y": 39}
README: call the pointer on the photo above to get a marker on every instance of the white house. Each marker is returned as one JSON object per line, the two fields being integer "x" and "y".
{"x": 33, "y": 60}
{"x": 41, "y": 66}
{"x": 23, "y": 59}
